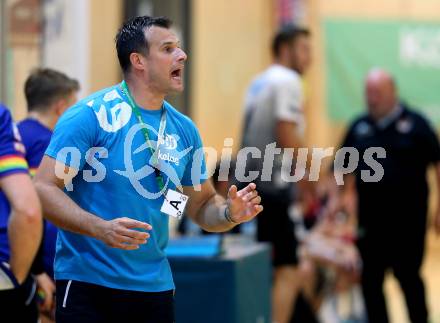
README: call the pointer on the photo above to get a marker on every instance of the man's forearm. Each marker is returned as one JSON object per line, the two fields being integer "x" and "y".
{"x": 24, "y": 234}
{"x": 211, "y": 216}
{"x": 24, "y": 224}
{"x": 59, "y": 209}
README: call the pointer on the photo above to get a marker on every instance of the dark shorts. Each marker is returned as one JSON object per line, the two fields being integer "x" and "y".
{"x": 275, "y": 226}
{"x": 79, "y": 302}
{"x": 19, "y": 304}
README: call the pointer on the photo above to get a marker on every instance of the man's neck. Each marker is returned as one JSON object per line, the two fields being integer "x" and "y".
{"x": 282, "y": 63}
{"x": 392, "y": 115}
{"x": 144, "y": 95}
{"x": 46, "y": 119}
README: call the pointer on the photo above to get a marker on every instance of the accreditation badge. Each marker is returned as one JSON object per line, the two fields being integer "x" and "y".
{"x": 174, "y": 204}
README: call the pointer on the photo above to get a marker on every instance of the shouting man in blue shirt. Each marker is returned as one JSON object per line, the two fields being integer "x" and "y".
{"x": 119, "y": 163}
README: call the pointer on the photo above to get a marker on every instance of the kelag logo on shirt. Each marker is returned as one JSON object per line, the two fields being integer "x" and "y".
{"x": 169, "y": 142}
{"x": 168, "y": 157}
{"x": 135, "y": 176}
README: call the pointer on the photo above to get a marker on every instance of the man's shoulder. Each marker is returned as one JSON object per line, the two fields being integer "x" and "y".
{"x": 6, "y": 121}
{"x": 4, "y": 112}
{"x": 32, "y": 125}
{"x": 363, "y": 117}
{"x": 33, "y": 132}
{"x": 106, "y": 106}
{"x": 280, "y": 74}
{"x": 360, "y": 124}
{"x": 275, "y": 77}
{"x": 420, "y": 121}
{"x": 414, "y": 114}
{"x": 182, "y": 118}
{"x": 28, "y": 131}
{"x": 283, "y": 80}
{"x": 25, "y": 123}
{"x": 102, "y": 98}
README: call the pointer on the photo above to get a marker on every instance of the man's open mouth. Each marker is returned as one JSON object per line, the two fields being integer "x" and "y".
{"x": 177, "y": 73}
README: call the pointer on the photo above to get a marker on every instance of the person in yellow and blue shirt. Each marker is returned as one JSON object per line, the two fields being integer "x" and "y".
{"x": 48, "y": 94}
{"x": 20, "y": 227}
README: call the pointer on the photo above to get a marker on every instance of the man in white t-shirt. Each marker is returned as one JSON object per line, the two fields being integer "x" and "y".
{"x": 274, "y": 115}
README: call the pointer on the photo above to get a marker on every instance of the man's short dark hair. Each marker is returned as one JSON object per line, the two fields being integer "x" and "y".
{"x": 131, "y": 37}
{"x": 44, "y": 86}
{"x": 287, "y": 34}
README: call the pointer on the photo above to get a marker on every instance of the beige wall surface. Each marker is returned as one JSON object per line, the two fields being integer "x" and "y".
{"x": 24, "y": 60}
{"x": 22, "y": 52}
{"x": 230, "y": 45}
{"x": 105, "y": 19}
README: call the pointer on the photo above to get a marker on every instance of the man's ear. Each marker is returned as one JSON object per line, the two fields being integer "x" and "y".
{"x": 137, "y": 61}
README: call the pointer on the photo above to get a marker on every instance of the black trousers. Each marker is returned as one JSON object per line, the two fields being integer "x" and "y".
{"x": 275, "y": 226}
{"x": 79, "y": 302}
{"x": 403, "y": 254}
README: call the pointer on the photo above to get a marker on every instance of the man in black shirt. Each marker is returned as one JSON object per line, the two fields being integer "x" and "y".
{"x": 392, "y": 212}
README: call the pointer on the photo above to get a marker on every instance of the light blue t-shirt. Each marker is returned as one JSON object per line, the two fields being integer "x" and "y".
{"x": 101, "y": 137}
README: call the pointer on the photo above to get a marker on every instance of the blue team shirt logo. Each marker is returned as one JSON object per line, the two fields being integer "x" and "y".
{"x": 135, "y": 176}
{"x": 120, "y": 112}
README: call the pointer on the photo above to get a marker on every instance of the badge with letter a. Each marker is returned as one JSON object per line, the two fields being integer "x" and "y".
{"x": 174, "y": 204}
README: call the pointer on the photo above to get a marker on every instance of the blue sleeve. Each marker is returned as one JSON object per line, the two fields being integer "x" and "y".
{"x": 195, "y": 172}
{"x": 73, "y": 136}
{"x": 35, "y": 142}
{"x": 35, "y": 153}
{"x": 11, "y": 149}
